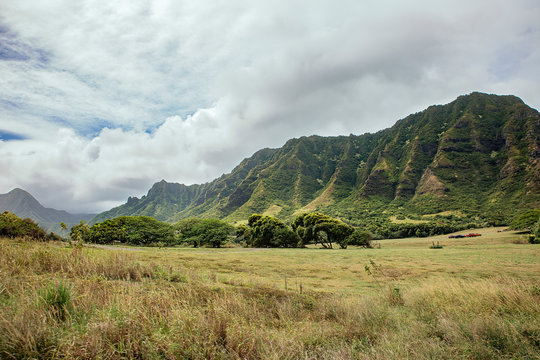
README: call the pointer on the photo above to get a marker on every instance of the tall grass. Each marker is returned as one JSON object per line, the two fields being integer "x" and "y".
{"x": 119, "y": 306}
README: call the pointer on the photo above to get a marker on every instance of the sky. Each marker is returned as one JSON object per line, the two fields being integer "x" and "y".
{"x": 101, "y": 99}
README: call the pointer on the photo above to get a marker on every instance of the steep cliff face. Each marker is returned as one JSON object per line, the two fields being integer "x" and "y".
{"x": 480, "y": 151}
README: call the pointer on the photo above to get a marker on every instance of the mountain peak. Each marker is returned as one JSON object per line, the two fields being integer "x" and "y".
{"x": 20, "y": 196}
{"x": 19, "y": 192}
{"x": 21, "y": 203}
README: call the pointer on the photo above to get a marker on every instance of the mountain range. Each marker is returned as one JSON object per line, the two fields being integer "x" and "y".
{"x": 24, "y": 205}
{"x": 478, "y": 155}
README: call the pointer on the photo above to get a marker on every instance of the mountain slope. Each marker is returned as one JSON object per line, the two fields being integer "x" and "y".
{"x": 24, "y": 205}
{"x": 479, "y": 152}
{"x": 164, "y": 200}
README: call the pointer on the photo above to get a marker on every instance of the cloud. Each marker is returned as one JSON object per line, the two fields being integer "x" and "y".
{"x": 109, "y": 97}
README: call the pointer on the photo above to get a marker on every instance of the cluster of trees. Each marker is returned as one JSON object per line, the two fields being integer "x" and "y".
{"x": 147, "y": 231}
{"x": 13, "y": 226}
{"x": 260, "y": 231}
{"x": 134, "y": 230}
{"x": 312, "y": 228}
{"x": 268, "y": 231}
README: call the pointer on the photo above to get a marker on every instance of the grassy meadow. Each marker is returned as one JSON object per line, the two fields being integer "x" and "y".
{"x": 476, "y": 298}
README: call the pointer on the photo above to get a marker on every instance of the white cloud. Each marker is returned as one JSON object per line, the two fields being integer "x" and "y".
{"x": 103, "y": 91}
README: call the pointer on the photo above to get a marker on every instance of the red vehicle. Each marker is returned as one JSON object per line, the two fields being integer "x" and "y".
{"x": 473, "y": 235}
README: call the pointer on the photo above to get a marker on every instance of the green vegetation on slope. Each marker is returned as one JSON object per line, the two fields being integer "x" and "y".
{"x": 526, "y": 220}
{"x": 476, "y": 154}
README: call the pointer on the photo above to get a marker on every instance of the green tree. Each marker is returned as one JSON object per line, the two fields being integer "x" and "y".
{"x": 212, "y": 232}
{"x": 268, "y": 231}
{"x": 108, "y": 232}
{"x": 79, "y": 232}
{"x": 317, "y": 228}
{"x": 243, "y": 232}
{"x": 203, "y": 232}
{"x": 134, "y": 230}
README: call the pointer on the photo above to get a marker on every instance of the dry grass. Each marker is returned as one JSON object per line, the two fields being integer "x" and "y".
{"x": 273, "y": 210}
{"x": 406, "y": 220}
{"x": 457, "y": 213}
{"x": 415, "y": 303}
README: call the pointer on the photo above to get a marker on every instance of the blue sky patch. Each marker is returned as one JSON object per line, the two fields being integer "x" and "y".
{"x": 13, "y": 49}
{"x": 94, "y": 126}
{"x": 8, "y": 136}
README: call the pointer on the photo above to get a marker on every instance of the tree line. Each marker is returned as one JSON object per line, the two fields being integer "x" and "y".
{"x": 259, "y": 231}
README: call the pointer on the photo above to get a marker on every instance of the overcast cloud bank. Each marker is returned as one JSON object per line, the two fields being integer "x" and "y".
{"x": 98, "y": 100}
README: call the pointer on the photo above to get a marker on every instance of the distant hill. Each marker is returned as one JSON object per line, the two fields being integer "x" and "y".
{"x": 479, "y": 154}
{"x": 24, "y": 205}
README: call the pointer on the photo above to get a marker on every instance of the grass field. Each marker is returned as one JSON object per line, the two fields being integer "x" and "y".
{"x": 476, "y": 298}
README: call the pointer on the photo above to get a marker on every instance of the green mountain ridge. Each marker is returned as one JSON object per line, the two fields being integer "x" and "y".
{"x": 480, "y": 152}
{"x": 24, "y": 205}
